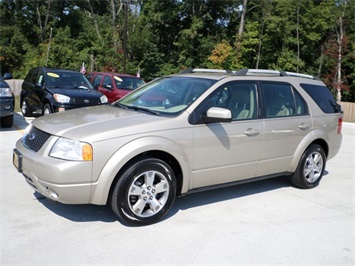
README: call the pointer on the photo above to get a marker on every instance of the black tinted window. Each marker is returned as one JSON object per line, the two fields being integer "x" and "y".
{"x": 97, "y": 81}
{"x": 29, "y": 75}
{"x": 322, "y": 96}
{"x": 33, "y": 78}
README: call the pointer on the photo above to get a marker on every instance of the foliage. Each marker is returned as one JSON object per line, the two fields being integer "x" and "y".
{"x": 163, "y": 37}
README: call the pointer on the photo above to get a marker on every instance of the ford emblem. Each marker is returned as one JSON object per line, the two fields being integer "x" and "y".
{"x": 31, "y": 136}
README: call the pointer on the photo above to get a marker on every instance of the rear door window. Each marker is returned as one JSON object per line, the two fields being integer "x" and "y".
{"x": 97, "y": 81}
{"x": 281, "y": 99}
{"x": 278, "y": 99}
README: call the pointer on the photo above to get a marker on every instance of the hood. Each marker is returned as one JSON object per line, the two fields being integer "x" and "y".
{"x": 77, "y": 92}
{"x": 103, "y": 122}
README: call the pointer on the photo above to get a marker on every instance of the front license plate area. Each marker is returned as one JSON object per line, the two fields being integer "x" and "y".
{"x": 17, "y": 160}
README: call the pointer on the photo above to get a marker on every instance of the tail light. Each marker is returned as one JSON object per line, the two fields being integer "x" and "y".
{"x": 340, "y": 125}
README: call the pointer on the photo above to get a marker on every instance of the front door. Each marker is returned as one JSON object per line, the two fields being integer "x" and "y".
{"x": 228, "y": 152}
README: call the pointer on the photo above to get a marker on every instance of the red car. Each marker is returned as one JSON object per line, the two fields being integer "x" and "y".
{"x": 114, "y": 85}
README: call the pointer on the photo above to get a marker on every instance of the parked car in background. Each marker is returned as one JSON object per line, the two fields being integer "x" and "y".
{"x": 114, "y": 85}
{"x": 7, "y": 102}
{"x": 183, "y": 133}
{"x": 49, "y": 90}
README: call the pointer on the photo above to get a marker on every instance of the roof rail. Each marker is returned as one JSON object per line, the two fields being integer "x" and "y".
{"x": 294, "y": 74}
{"x": 266, "y": 72}
{"x": 204, "y": 70}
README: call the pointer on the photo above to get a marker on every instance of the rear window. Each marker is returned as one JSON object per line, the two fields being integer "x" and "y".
{"x": 323, "y": 98}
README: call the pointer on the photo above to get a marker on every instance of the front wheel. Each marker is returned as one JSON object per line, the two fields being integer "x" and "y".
{"x": 310, "y": 168}
{"x": 47, "y": 109}
{"x": 144, "y": 193}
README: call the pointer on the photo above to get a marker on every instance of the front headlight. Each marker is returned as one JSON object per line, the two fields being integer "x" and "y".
{"x": 69, "y": 149}
{"x": 6, "y": 92}
{"x": 103, "y": 99}
{"x": 61, "y": 98}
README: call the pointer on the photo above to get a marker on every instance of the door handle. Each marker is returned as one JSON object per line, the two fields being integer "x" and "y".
{"x": 303, "y": 126}
{"x": 250, "y": 132}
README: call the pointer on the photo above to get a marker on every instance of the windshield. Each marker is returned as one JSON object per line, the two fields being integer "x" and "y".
{"x": 67, "y": 80}
{"x": 169, "y": 95}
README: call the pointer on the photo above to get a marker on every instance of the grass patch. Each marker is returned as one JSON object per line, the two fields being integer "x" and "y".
{"x": 17, "y": 104}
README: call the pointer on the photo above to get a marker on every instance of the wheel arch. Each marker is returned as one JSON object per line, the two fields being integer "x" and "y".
{"x": 22, "y": 95}
{"x": 132, "y": 152}
{"x": 158, "y": 154}
{"x": 46, "y": 101}
{"x": 312, "y": 138}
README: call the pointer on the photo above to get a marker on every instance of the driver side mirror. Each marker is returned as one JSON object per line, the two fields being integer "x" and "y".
{"x": 108, "y": 86}
{"x": 38, "y": 85}
{"x": 217, "y": 115}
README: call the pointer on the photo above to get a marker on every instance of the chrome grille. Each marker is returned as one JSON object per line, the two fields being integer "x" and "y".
{"x": 34, "y": 139}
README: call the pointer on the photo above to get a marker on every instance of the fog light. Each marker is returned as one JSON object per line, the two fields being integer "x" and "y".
{"x": 61, "y": 109}
{"x": 52, "y": 193}
{"x": 7, "y": 106}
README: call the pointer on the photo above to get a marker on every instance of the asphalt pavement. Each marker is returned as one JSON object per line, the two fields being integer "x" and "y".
{"x": 267, "y": 222}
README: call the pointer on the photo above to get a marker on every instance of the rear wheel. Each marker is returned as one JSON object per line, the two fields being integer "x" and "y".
{"x": 24, "y": 107}
{"x": 310, "y": 168}
{"x": 144, "y": 193}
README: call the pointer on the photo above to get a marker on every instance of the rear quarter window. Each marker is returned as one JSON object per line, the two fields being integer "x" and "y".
{"x": 322, "y": 97}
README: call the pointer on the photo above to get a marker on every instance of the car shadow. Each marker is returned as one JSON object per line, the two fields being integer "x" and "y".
{"x": 227, "y": 193}
{"x": 20, "y": 123}
{"x": 78, "y": 212}
{"x": 89, "y": 213}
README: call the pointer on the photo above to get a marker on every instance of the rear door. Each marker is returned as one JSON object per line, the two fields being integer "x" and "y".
{"x": 287, "y": 122}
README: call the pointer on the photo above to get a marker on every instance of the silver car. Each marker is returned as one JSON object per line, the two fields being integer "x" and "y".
{"x": 192, "y": 131}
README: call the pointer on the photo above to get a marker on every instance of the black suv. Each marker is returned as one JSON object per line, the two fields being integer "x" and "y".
{"x": 48, "y": 90}
{"x": 7, "y": 102}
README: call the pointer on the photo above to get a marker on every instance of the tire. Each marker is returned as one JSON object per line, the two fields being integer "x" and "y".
{"x": 24, "y": 108}
{"x": 144, "y": 193}
{"x": 310, "y": 168}
{"x": 7, "y": 121}
{"x": 47, "y": 109}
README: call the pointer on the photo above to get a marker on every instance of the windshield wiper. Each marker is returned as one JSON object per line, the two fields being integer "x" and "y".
{"x": 120, "y": 105}
{"x": 137, "y": 108}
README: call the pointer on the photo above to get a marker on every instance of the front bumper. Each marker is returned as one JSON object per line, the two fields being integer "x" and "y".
{"x": 63, "y": 181}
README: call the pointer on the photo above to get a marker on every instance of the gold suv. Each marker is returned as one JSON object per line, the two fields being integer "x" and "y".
{"x": 192, "y": 131}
